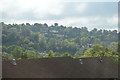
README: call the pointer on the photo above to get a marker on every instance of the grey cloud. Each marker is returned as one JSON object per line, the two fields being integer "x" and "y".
{"x": 105, "y": 10}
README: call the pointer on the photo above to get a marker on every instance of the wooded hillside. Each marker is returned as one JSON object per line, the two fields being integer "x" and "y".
{"x": 40, "y": 40}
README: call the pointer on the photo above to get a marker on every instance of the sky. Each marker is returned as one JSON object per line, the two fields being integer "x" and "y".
{"x": 101, "y": 15}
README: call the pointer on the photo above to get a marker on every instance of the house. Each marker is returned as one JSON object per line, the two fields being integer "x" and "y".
{"x": 61, "y": 67}
{"x": 54, "y": 31}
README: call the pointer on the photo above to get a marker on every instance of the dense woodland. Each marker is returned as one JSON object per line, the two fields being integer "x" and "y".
{"x": 40, "y": 40}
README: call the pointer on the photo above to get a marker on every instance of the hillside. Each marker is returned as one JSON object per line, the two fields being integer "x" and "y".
{"x": 36, "y": 40}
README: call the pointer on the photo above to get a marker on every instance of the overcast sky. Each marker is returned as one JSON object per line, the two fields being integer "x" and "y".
{"x": 102, "y": 15}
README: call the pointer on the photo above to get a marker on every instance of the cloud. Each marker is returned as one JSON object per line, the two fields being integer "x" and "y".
{"x": 39, "y": 8}
{"x": 81, "y": 7}
{"x": 89, "y": 22}
{"x": 113, "y": 20}
{"x": 65, "y": 13}
{"x": 92, "y": 1}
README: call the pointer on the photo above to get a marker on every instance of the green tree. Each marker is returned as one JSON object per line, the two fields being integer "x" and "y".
{"x": 50, "y": 54}
{"x": 79, "y": 53}
{"x": 114, "y": 47}
{"x": 97, "y": 50}
{"x": 65, "y": 54}
{"x": 17, "y": 52}
{"x": 55, "y": 24}
{"x": 7, "y": 56}
{"x": 30, "y": 54}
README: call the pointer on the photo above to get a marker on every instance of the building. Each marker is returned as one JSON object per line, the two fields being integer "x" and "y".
{"x": 61, "y": 67}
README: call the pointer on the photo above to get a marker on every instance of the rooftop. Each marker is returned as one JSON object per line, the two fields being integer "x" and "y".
{"x": 61, "y": 67}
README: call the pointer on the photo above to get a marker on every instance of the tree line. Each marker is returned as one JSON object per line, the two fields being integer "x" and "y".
{"x": 40, "y": 40}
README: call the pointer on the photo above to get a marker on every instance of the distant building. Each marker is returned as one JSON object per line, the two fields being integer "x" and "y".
{"x": 58, "y": 35}
{"x": 44, "y": 52}
{"x": 86, "y": 46}
{"x": 54, "y": 31}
